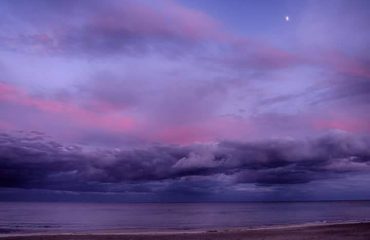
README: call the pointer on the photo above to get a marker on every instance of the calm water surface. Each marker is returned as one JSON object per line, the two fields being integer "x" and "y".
{"x": 25, "y": 217}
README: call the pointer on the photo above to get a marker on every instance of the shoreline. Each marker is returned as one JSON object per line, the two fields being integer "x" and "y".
{"x": 175, "y": 232}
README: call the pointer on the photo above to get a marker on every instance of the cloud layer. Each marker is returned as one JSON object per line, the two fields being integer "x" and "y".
{"x": 33, "y": 162}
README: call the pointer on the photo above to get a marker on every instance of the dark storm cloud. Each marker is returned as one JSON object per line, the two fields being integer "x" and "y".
{"x": 32, "y": 161}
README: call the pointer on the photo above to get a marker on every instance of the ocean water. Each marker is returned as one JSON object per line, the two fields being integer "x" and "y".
{"x": 75, "y": 217}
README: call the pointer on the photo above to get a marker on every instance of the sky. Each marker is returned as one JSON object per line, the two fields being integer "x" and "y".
{"x": 184, "y": 100}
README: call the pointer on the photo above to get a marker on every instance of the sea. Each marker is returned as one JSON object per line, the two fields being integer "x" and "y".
{"x": 26, "y": 217}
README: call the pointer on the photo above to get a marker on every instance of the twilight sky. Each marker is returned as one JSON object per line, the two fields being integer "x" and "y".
{"x": 184, "y": 100}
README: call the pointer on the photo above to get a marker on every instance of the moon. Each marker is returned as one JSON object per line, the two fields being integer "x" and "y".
{"x": 287, "y": 18}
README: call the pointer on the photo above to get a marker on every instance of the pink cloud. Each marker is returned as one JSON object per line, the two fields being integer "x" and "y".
{"x": 166, "y": 19}
{"x": 194, "y": 24}
{"x": 6, "y": 125}
{"x": 113, "y": 122}
{"x": 341, "y": 63}
{"x": 259, "y": 55}
{"x": 222, "y": 128}
{"x": 137, "y": 27}
{"x": 348, "y": 124}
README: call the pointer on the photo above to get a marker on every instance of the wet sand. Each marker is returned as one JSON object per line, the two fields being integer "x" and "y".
{"x": 348, "y": 231}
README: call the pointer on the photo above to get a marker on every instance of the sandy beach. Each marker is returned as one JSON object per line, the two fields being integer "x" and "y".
{"x": 350, "y": 231}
